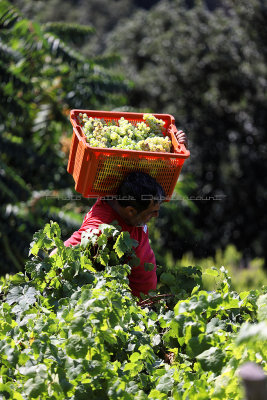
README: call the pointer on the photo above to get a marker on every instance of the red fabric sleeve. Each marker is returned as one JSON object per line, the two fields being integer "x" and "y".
{"x": 88, "y": 223}
{"x": 99, "y": 214}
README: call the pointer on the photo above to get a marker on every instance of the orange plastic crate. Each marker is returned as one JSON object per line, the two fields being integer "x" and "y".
{"x": 99, "y": 171}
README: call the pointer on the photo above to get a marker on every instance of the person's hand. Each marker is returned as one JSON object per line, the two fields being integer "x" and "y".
{"x": 182, "y": 138}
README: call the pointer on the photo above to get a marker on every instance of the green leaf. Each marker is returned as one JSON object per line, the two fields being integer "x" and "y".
{"x": 211, "y": 359}
{"x": 18, "y": 278}
{"x": 17, "y": 396}
{"x": 149, "y": 266}
{"x": 52, "y": 231}
{"x": 135, "y": 357}
{"x": 211, "y": 271}
{"x": 110, "y": 230}
{"x": 252, "y": 332}
{"x": 262, "y": 307}
{"x": 156, "y": 340}
{"x": 195, "y": 290}
{"x": 102, "y": 240}
{"x": 134, "y": 261}
{"x": 86, "y": 263}
{"x": 197, "y": 345}
{"x": 177, "y": 325}
{"x": 199, "y": 304}
{"x": 165, "y": 384}
{"x": 40, "y": 241}
{"x": 94, "y": 367}
{"x": 124, "y": 244}
{"x": 140, "y": 395}
{"x": 157, "y": 395}
{"x": 74, "y": 370}
{"x": 215, "y": 300}
{"x": 192, "y": 329}
{"x": 22, "y": 296}
{"x": 215, "y": 325}
{"x": 167, "y": 278}
{"x": 5, "y": 388}
{"x": 32, "y": 371}
{"x": 37, "y": 269}
{"x": 103, "y": 257}
{"x": 76, "y": 347}
{"x": 133, "y": 367}
{"x": 77, "y": 325}
{"x": 34, "y": 387}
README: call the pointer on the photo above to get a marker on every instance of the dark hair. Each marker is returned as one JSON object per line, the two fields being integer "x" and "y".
{"x": 138, "y": 189}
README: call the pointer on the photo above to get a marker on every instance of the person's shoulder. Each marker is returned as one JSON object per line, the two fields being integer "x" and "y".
{"x": 99, "y": 202}
{"x": 95, "y": 208}
{"x": 102, "y": 205}
{"x": 100, "y": 211}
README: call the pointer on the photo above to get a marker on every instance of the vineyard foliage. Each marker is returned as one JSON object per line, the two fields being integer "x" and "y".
{"x": 42, "y": 78}
{"x": 71, "y": 329}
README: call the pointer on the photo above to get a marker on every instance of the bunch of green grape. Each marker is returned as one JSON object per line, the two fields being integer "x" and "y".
{"x": 145, "y": 136}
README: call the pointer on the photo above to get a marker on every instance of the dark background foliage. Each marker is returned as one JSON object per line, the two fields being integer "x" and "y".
{"x": 208, "y": 69}
{"x": 42, "y": 78}
{"x": 202, "y": 61}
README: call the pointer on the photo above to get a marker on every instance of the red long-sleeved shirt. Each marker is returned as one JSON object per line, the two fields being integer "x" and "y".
{"x": 139, "y": 279}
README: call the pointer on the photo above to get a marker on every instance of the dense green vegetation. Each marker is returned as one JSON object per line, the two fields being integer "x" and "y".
{"x": 42, "y": 78}
{"x": 70, "y": 328}
{"x": 242, "y": 278}
{"x": 202, "y": 61}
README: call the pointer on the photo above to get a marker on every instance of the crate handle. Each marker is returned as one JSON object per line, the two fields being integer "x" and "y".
{"x": 79, "y": 133}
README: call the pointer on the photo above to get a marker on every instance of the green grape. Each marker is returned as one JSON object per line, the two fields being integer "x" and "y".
{"x": 156, "y": 144}
{"x": 146, "y": 135}
{"x": 114, "y": 136}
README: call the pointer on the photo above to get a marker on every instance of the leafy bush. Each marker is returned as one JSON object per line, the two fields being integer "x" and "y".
{"x": 71, "y": 329}
{"x": 244, "y": 277}
{"x": 42, "y": 78}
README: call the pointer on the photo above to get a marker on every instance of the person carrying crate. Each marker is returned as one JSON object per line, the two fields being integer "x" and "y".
{"x": 138, "y": 199}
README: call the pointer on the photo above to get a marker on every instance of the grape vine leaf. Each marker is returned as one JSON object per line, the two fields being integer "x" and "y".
{"x": 34, "y": 387}
{"x": 102, "y": 240}
{"x": 40, "y": 241}
{"x": 149, "y": 266}
{"x": 214, "y": 325}
{"x": 6, "y": 390}
{"x": 76, "y": 347}
{"x": 22, "y": 296}
{"x": 211, "y": 359}
{"x": 252, "y": 332}
{"x": 212, "y": 272}
{"x": 167, "y": 278}
{"x": 124, "y": 244}
{"x": 112, "y": 229}
{"x": 262, "y": 307}
{"x": 165, "y": 384}
{"x": 134, "y": 261}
